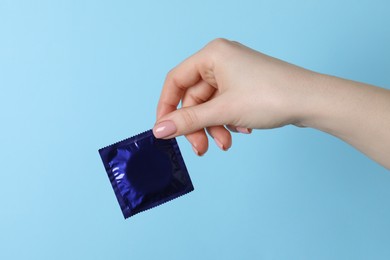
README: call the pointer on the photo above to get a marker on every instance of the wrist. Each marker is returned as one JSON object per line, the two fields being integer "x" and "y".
{"x": 354, "y": 112}
{"x": 307, "y": 100}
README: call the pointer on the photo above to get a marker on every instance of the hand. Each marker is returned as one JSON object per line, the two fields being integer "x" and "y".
{"x": 229, "y": 84}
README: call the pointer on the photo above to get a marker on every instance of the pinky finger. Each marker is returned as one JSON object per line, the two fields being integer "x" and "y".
{"x": 237, "y": 129}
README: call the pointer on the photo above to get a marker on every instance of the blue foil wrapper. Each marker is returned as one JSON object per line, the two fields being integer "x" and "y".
{"x": 145, "y": 172}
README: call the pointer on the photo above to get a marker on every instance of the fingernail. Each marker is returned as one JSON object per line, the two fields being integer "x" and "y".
{"x": 220, "y": 145}
{"x": 164, "y": 129}
{"x": 195, "y": 151}
{"x": 244, "y": 130}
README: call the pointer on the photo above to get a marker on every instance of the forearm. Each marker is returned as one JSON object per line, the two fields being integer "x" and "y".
{"x": 354, "y": 112}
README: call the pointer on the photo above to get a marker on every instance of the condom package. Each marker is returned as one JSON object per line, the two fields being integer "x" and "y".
{"x": 145, "y": 172}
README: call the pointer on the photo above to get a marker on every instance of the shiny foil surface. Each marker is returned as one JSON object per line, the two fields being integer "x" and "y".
{"x": 145, "y": 172}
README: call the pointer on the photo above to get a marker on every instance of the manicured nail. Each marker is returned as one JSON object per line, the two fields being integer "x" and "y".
{"x": 195, "y": 151}
{"x": 220, "y": 145}
{"x": 244, "y": 130}
{"x": 164, "y": 129}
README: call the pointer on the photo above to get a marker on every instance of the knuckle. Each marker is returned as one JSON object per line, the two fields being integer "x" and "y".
{"x": 196, "y": 98}
{"x": 172, "y": 79}
{"x": 189, "y": 118}
{"x": 170, "y": 74}
{"x": 219, "y": 47}
{"x": 220, "y": 42}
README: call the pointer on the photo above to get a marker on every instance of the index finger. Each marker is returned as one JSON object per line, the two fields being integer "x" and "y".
{"x": 178, "y": 80}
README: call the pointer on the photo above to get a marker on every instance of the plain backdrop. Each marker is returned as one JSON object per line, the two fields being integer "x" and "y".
{"x": 79, "y": 75}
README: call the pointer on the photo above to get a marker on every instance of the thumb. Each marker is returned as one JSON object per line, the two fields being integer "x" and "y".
{"x": 189, "y": 119}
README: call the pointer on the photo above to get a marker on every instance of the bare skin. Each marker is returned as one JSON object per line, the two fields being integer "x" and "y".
{"x": 228, "y": 84}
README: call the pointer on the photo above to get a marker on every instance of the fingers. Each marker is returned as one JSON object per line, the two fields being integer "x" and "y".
{"x": 178, "y": 80}
{"x": 237, "y": 129}
{"x": 188, "y": 120}
{"x": 232, "y": 128}
{"x": 221, "y": 136}
{"x": 197, "y": 94}
{"x": 193, "y": 82}
{"x": 244, "y": 130}
{"x": 199, "y": 142}
{"x": 184, "y": 83}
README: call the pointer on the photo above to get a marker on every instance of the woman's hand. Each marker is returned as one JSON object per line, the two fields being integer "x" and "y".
{"x": 228, "y": 84}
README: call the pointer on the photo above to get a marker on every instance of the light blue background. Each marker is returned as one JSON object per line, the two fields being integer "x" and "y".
{"x": 78, "y": 75}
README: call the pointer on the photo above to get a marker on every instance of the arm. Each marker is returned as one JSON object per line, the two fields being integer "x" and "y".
{"x": 355, "y": 112}
{"x": 228, "y": 84}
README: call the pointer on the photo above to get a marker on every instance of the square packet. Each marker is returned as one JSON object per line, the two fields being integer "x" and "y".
{"x": 145, "y": 172}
